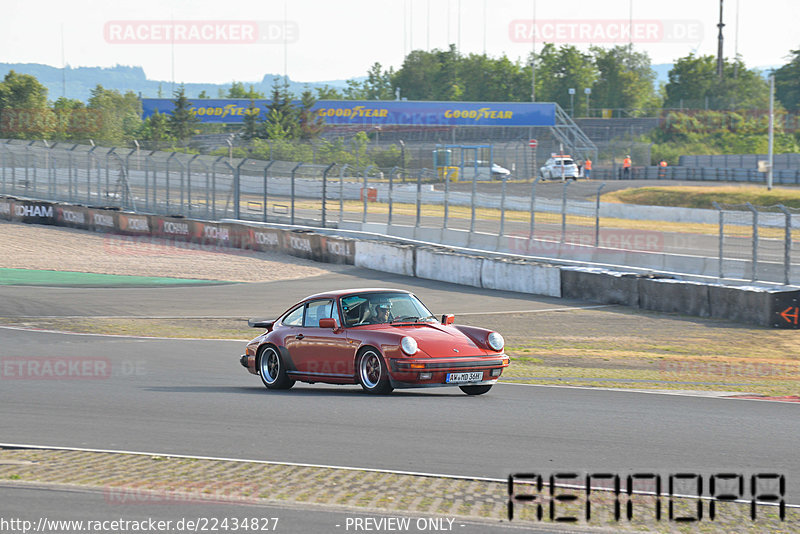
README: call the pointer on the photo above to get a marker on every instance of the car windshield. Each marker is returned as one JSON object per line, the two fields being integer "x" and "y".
{"x": 564, "y": 162}
{"x": 383, "y": 307}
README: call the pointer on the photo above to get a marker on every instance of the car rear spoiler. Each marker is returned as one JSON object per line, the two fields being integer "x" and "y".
{"x": 255, "y": 323}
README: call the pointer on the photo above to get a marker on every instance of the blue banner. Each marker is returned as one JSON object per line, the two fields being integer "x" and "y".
{"x": 376, "y": 112}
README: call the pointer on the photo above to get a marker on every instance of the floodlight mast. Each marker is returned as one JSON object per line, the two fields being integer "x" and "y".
{"x": 719, "y": 41}
{"x": 771, "y": 129}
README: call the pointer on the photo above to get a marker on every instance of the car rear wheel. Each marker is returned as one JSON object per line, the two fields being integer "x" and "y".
{"x": 272, "y": 369}
{"x": 476, "y": 390}
{"x": 372, "y": 373}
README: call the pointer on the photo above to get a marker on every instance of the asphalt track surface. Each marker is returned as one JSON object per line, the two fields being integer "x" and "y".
{"x": 192, "y": 397}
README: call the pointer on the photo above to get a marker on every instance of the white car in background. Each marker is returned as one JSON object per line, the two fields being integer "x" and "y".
{"x": 482, "y": 172}
{"x": 558, "y": 166}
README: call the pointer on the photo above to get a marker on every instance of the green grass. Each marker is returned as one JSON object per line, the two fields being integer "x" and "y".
{"x": 703, "y": 196}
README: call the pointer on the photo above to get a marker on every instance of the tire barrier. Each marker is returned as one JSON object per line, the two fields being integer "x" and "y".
{"x": 32, "y": 212}
{"x": 130, "y": 224}
{"x": 259, "y": 238}
{"x": 103, "y": 220}
{"x": 172, "y": 228}
{"x": 777, "y": 308}
{"x": 337, "y": 250}
{"x": 72, "y": 216}
{"x": 6, "y": 209}
{"x": 302, "y": 244}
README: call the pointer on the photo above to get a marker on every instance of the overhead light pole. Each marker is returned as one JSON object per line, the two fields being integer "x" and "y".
{"x": 571, "y": 91}
{"x": 719, "y": 41}
{"x": 771, "y": 129}
{"x": 587, "y": 91}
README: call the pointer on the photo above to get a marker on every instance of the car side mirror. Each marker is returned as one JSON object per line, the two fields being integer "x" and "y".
{"x": 448, "y": 318}
{"x": 328, "y": 322}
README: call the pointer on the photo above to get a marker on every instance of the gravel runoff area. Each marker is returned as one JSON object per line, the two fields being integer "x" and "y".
{"x": 130, "y": 479}
{"x": 30, "y": 246}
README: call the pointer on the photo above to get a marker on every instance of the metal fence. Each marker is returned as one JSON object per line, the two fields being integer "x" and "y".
{"x": 701, "y": 174}
{"x": 760, "y": 239}
{"x": 546, "y": 219}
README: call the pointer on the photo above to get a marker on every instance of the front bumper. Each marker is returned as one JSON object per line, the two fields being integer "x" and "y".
{"x": 432, "y": 372}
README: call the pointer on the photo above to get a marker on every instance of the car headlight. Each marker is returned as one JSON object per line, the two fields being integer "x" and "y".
{"x": 496, "y": 341}
{"x": 409, "y": 345}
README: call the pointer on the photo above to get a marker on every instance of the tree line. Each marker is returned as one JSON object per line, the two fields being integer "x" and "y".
{"x": 619, "y": 77}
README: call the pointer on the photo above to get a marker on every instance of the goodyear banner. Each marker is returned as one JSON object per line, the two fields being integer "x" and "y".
{"x": 376, "y": 112}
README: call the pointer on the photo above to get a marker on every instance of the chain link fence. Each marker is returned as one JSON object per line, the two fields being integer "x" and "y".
{"x": 529, "y": 217}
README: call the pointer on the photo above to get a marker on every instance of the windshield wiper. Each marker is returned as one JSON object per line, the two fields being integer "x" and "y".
{"x": 406, "y": 319}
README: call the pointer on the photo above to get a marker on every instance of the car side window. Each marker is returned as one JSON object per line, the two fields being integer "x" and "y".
{"x": 294, "y": 317}
{"x": 316, "y": 310}
{"x": 335, "y": 313}
{"x": 352, "y": 308}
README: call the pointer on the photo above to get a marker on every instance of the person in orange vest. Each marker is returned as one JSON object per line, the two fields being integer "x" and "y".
{"x": 587, "y": 167}
{"x": 626, "y": 167}
{"x": 662, "y": 168}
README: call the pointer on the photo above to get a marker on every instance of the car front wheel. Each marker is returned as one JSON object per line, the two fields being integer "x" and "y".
{"x": 372, "y": 373}
{"x": 476, "y": 390}
{"x": 272, "y": 370}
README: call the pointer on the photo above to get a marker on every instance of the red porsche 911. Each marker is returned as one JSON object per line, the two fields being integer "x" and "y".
{"x": 379, "y": 338}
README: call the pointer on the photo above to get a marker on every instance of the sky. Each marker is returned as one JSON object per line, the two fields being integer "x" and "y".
{"x": 217, "y": 41}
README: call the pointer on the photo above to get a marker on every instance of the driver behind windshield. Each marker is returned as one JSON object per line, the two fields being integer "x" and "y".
{"x": 382, "y": 313}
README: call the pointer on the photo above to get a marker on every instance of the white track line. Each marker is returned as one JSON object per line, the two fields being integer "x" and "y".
{"x": 674, "y": 393}
{"x": 66, "y": 333}
{"x": 543, "y": 310}
{"x": 340, "y": 467}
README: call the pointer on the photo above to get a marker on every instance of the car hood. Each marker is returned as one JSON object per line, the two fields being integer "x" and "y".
{"x": 437, "y": 341}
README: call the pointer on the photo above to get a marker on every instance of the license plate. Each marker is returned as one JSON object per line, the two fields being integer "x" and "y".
{"x": 476, "y": 376}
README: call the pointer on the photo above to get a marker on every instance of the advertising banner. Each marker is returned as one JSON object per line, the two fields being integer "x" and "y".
{"x": 6, "y": 209}
{"x": 175, "y": 229}
{"x": 338, "y": 250}
{"x": 130, "y": 224}
{"x": 258, "y": 238}
{"x": 33, "y": 212}
{"x": 103, "y": 220}
{"x": 73, "y": 216}
{"x": 374, "y": 112}
{"x": 213, "y": 235}
{"x": 303, "y": 244}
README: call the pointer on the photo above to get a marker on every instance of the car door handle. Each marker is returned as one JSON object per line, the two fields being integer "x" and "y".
{"x": 299, "y": 336}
